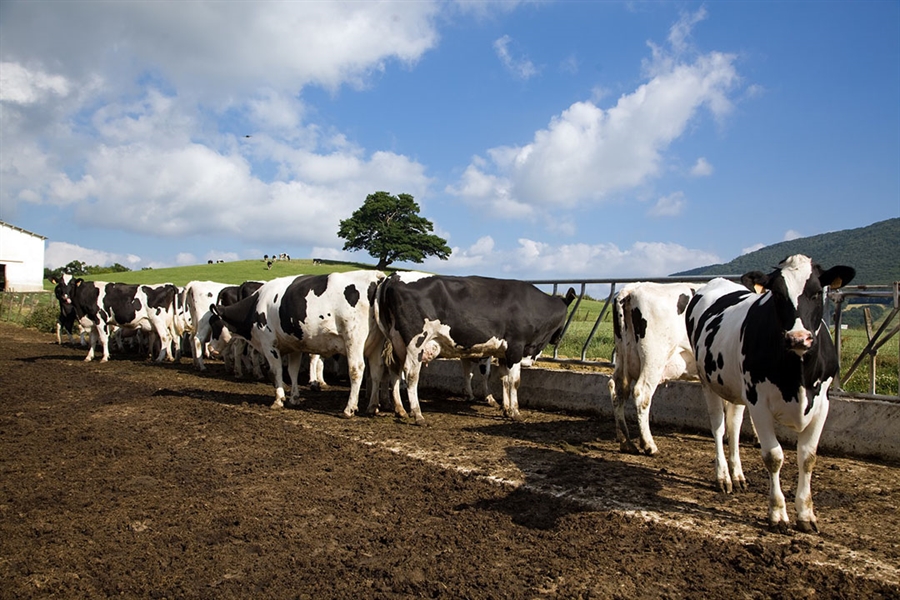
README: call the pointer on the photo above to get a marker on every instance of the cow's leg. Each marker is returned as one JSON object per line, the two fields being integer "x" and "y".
{"x": 412, "y": 368}
{"x": 734, "y": 417}
{"x": 467, "y": 372}
{"x": 294, "y": 360}
{"x": 510, "y": 377}
{"x": 237, "y": 357}
{"x": 58, "y": 331}
{"x": 103, "y": 337}
{"x": 356, "y": 365}
{"x": 198, "y": 351}
{"x": 644, "y": 388}
{"x": 165, "y": 342}
{"x": 93, "y": 339}
{"x": 485, "y": 367}
{"x": 316, "y": 371}
{"x": 274, "y": 358}
{"x": 773, "y": 458}
{"x": 807, "y": 445}
{"x": 716, "y": 408}
{"x": 619, "y": 391}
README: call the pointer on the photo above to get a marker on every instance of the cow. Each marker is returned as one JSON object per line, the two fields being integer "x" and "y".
{"x": 237, "y": 352}
{"x": 651, "y": 346}
{"x": 424, "y": 316}
{"x": 483, "y": 366}
{"x": 67, "y": 317}
{"x": 317, "y": 314}
{"x": 198, "y": 296}
{"x": 772, "y": 354}
{"x": 100, "y": 305}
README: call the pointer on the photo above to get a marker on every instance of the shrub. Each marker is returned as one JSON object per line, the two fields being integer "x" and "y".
{"x": 43, "y": 318}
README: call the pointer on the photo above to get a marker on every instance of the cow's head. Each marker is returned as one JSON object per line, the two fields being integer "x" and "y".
{"x": 797, "y": 288}
{"x": 220, "y": 335}
{"x": 63, "y": 289}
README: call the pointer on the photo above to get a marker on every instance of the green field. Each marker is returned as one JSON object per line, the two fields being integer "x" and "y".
{"x": 39, "y": 311}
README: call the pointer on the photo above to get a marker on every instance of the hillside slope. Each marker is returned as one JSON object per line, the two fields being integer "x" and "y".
{"x": 874, "y": 251}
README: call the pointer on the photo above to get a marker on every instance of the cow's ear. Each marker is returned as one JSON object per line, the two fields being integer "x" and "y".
{"x": 78, "y": 282}
{"x": 212, "y": 309}
{"x": 837, "y": 276}
{"x": 755, "y": 281}
{"x": 54, "y": 280}
{"x": 570, "y": 295}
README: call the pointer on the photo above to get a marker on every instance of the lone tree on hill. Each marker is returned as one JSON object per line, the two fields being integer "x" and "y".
{"x": 390, "y": 229}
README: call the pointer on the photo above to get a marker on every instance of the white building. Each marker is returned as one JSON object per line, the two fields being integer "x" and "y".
{"x": 21, "y": 259}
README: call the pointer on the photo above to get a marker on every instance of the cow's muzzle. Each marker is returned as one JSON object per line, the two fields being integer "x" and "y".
{"x": 799, "y": 341}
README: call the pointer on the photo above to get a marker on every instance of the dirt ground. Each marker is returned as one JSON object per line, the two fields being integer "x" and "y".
{"x": 143, "y": 480}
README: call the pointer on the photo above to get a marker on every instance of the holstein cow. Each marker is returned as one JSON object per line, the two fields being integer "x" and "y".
{"x": 773, "y": 354}
{"x": 317, "y": 314}
{"x": 198, "y": 296}
{"x": 100, "y": 305}
{"x": 236, "y": 352}
{"x": 425, "y": 316}
{"x": 67, "y": 317}
{"x": 651, "y": 347}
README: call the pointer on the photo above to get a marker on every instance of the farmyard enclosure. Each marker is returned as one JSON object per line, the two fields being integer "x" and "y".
{"x": 136, "y": 479}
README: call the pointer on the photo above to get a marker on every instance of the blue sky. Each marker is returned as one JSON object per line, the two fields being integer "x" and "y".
{"x": 543, "y": 140}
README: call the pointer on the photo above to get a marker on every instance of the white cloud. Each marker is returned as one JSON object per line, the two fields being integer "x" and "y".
{"x": 520, "y": 67}
{"x": 221, "y": 47}
{"x": 791, "y": 234}
{"x": 701, "y": 168}
{"x": 586, "y": 153}
{"x": 668, "y": 206}
{"x": 59, "y": 254}
{"x": 752, "y": 248}
{"x": 20, "y": 85}
{"x": 538, "y": 260}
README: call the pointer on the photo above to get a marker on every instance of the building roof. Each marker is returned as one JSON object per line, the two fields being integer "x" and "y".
{"x": 5, "y": 224}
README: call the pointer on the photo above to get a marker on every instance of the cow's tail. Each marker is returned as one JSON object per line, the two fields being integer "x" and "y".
{"x": 387, "y": 354}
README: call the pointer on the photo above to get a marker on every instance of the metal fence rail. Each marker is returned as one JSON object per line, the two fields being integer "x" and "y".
{"x": 18, "y": 306}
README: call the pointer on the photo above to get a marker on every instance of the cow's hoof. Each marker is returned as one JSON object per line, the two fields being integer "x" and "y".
{"x": 314, "y": 386}
{"x": 347, "y": 415}
{"x": 740, "y": 485}
{"x": 421, "y": 423}
{"x": 277, "y": 406}
{"x": 807, "y": 527}
{"x": 492, "y": 403}
{"x": 627, "y": 447}
{"x": 780, "y": 527}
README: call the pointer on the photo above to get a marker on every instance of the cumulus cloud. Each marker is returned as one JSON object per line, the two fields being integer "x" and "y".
{"x": 588, "y": 153}
{"x": 668, "y": 206}
{"x": 752, "y": 248}
{"x": 701, "y": 168}
{"x": 59, "y": 254}
{"x": 791, "y": 234}
{"x": 533, "y": 259}
{"x": 520, "y": 67}
{"x": 141, "y": 151}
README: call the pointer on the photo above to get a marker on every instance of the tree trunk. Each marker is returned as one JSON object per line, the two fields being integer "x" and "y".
{"x": 383, "y": 262}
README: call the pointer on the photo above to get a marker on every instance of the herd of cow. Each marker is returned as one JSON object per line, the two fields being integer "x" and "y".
{"x": 761, "y": 344}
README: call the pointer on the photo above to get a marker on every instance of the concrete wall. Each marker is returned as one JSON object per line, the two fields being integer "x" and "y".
{"x": 854, "y": 427}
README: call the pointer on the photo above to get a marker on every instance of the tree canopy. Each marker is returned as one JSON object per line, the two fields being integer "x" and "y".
{"x": 390, "y": 229}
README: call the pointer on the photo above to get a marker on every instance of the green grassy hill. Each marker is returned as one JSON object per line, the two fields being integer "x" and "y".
{"x": 874, "y": 252}
{"x": 233, "y": 273}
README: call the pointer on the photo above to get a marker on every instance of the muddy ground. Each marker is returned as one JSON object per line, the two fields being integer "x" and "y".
{"x": 140, "y": 480}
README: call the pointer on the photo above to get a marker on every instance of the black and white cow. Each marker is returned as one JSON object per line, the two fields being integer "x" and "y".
{"x": 99, "y": 306}
{"x": 772, "y": 354}
{"x": 315, "y": 314}
{"x": 425, "y": 316}
{"x": 198, "y": 296}
{"x": 67, "y": 317}
{"x": 651, "y": 347}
